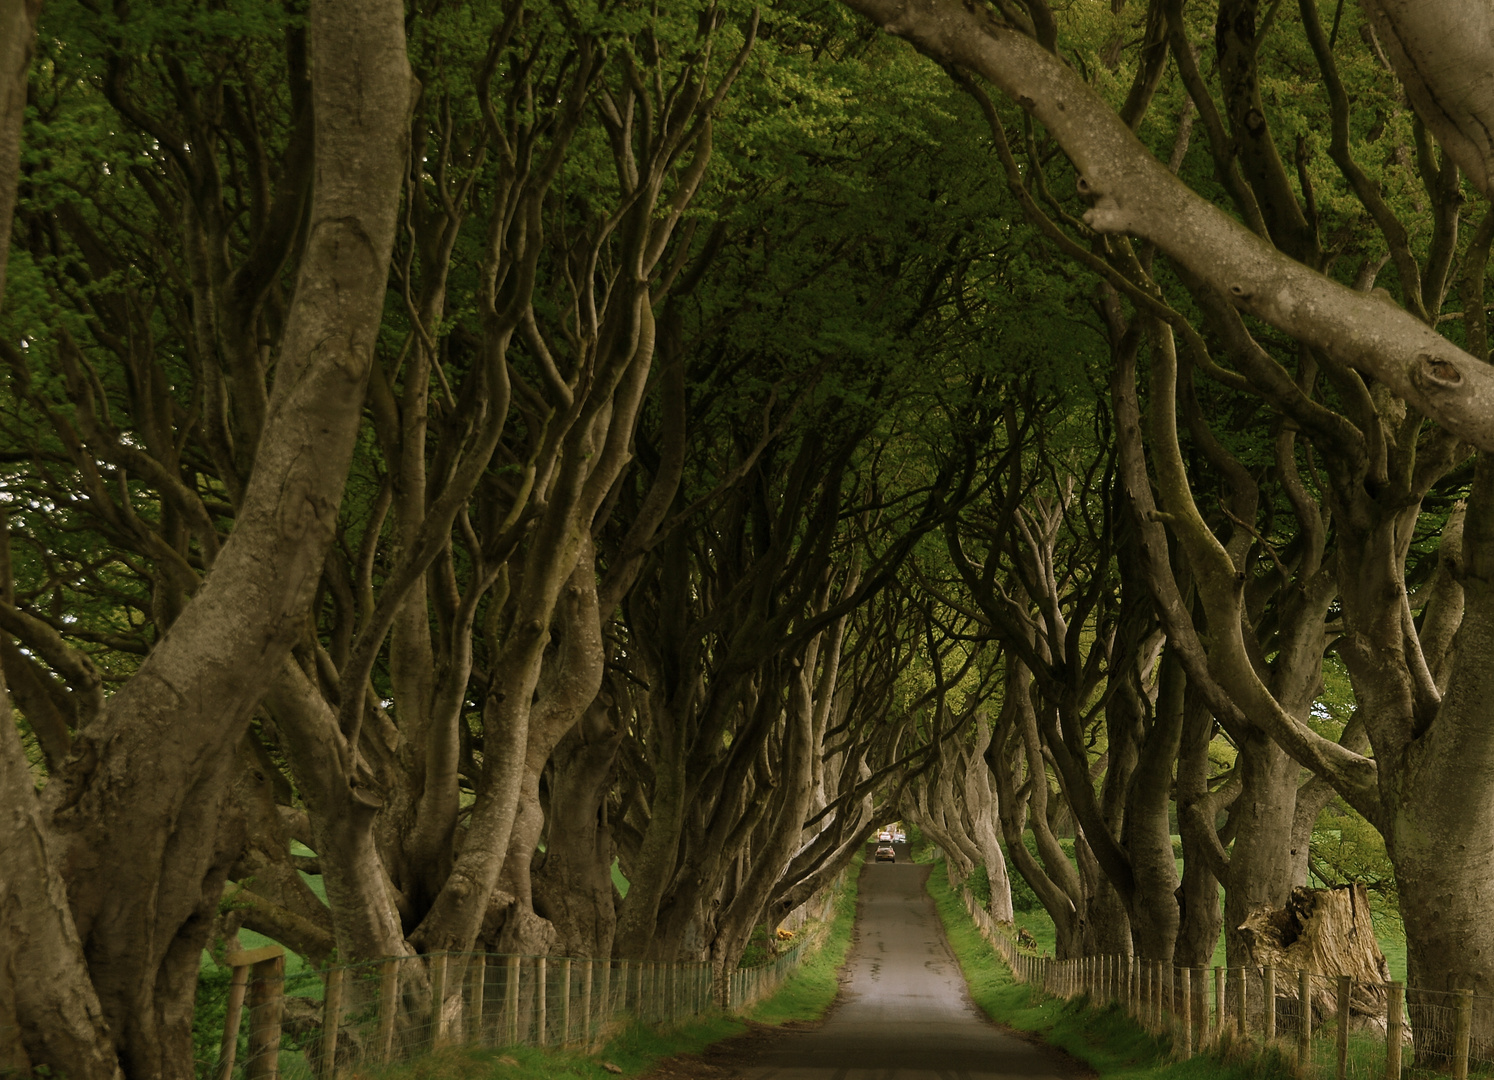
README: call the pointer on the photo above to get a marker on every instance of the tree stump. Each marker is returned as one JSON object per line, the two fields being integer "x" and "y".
{"x": 1328, "y": 932}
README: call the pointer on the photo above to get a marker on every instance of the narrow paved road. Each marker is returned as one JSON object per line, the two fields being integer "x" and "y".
{"x": 904, "y": 1015}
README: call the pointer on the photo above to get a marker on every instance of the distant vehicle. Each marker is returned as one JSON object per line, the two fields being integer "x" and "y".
{"x": 884, "y": 837}
{"x": 886, "y": 853}
{"x": 901, "y": 837}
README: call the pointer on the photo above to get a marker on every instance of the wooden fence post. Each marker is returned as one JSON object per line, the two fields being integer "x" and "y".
{"x": 1169, "y": 992}
{"x": 589, "y": 1032}
{"x": 1304, "y": 1029}
{"x": 565, "y": 1002}
{"x": 229, "y": 1049}
{"x": 1462, "y": 1034}
{"x": 388, "y": 1005}
{"x": 1268, "y": 977}
{"x": 1158, "y": 1023}
{"x": 604, "y": 1014}
{"x": 1219, "y": 973}
{"x": 477, "y": 1031}
{"x": 1241, "y": 999}
{"x": 511, "y": 1000}
{"x": 1394, "y": 1017}
{"x": 1345, "y": 987}
{"x": 541, "y": 978}
{"x": 1186, "y": 1047}
{"x": 438, "y": 999}
{"x": 331, "y": 1022}
{"x": 266, "y": 1007}
{"x": 1199, "y": 978}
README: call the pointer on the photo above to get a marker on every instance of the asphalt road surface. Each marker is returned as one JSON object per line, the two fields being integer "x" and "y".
{"x": 904, "y": 1014}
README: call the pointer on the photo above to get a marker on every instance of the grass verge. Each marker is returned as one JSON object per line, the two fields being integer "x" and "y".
{"x": 809, "y": 992}
{"x": 1107, "y": 1040}
{"x": 804, "y": 996}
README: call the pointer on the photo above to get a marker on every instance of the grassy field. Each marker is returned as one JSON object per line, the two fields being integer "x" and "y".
{"x": 805, "y": 996}
{"x": 1105, "y": 1039}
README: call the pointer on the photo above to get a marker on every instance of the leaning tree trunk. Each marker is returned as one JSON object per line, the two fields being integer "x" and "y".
{"x": 1440, "y": 51}
{"x": 1442, "y": 802}
{"x": 1435, "y": 758}
{"x": 1204, "y": 859}
{"x": 50, "y": 1016}
{"x": 985, "y": 822}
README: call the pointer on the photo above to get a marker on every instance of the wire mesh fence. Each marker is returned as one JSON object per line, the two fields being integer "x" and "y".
{"x": 1333, "y": 1026}
{"x": 261, "y": 1023}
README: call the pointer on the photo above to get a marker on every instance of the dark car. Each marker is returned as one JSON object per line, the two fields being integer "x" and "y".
{"x": 886, "y": 853}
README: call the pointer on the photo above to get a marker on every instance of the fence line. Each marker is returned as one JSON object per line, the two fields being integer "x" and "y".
{"x": 1330, "y": 1025}
{"x": 399, "y": 1008}
{"x": 395, "y": 1009}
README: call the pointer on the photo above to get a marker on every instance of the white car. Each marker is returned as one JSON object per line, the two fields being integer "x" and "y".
{"x": 884, "y": 837}
{"x": 900, "y": 838}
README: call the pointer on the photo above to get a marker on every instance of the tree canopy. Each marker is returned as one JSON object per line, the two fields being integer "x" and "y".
{"x": 460, "y": 453}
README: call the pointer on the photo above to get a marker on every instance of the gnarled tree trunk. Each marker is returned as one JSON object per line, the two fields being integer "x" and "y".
{"x": 138, "y": 829}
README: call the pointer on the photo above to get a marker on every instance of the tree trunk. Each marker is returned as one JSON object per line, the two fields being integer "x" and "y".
{"x": 1204, "y": 858}
{"x": 50, "y": 1016}
{"x": 986, "y": 821}
{"x": 1260, "y": 862}
{"x": 796, "y": 792}
{"x": 17, "y": 36}
{"x": 1440, "y": 51}
{"x": 365, "y": 916}
{"x": 1441, "y": 798}
{"x": 573, "y": 886}
{"x": 138, "y": 811}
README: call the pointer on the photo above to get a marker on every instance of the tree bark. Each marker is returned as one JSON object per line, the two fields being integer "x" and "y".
{"x": 50, "y": 1016}
{"x": 17, "y": 37}
{"x": 1440, "y": 50}
{"x": 985, "y": 817}
{"x": 573, "y": 886}
{"x": 1440, "y": 800}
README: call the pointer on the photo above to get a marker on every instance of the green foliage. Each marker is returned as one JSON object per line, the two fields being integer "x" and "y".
{"x": 1023, "y": 898}
{"x": 979, "y": 884}
{"x": 810, "y": 991}
{"x": 1348, "y": 849}
{"x": 762, "y": 947}
{"x": 208, "y": 1015}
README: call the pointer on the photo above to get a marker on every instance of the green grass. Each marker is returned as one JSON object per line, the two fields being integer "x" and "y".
{"x": 1105, "y": 1039}
{"x": 635, "y": 1051}
{"x": 809, "y": 992}
{"x": 804, "y": 996}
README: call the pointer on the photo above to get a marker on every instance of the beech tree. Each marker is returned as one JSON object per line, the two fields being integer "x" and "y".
{"x": 114, "y": 907}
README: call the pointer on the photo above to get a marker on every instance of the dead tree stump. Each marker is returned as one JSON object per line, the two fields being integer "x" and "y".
{"x": 1328, "y": 932}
